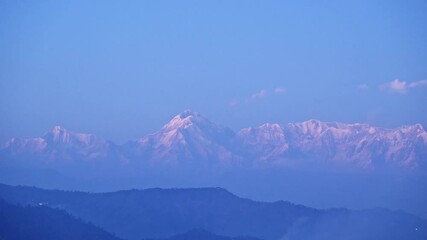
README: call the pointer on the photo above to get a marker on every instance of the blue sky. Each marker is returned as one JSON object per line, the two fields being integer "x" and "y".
{"x": 121, "y": 69}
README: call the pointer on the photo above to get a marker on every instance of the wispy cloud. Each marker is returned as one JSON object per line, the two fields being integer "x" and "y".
{"x": 402, "y": 87}
{"x": 279, "y": 90}
{"x": 363, "y": 86}
{"x": 261, "y": 94}
{"x": 233, "y": 103}
{"x": 420, "y": 83}
{"x": 255, "y": 96}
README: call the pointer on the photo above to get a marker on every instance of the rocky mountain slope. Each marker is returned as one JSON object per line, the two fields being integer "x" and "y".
{"x": 357, "y": 144}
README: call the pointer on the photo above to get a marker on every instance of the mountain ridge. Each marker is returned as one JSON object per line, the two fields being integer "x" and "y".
{"x": 161, "y": 213}
{"x": 41, "y": 222}
{"x": 191, "y": 139}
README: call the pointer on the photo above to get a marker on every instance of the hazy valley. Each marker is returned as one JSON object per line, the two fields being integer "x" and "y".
{"x": 162, "y": 213}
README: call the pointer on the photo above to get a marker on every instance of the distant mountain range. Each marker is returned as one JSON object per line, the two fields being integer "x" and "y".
{"x": 162, "y": 213}
{"x": 190, "y": 139}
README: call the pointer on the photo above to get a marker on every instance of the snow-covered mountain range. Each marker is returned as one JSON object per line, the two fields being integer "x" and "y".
{"x": 61, "y": 150}
{"x": 356, "y": 144}
{"x": 190, "y": 138}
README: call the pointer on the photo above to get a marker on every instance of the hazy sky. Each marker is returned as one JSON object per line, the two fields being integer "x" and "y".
{"x": 121, "y": 69}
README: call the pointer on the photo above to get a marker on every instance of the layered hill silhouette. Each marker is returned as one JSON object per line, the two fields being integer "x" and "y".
{"x": 162, "y": 213}
{"x": 190, "y": 139}
{"x": 41, "y": 222}
{"x": 197, "y": 234}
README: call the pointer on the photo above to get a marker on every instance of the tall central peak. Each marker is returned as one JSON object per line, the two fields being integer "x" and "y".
{"x": 56, "y": 130}
{"x": 188, "y": 113}
{"x": 184, "y": 120}
{"x": 58, "y": 134}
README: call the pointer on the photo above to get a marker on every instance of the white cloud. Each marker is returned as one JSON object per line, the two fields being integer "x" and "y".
{"x": 279, "y": 90}
{"x": 397, "y": 86}
{"x": 259, "y": 94}
{"x": 402, "y": 87}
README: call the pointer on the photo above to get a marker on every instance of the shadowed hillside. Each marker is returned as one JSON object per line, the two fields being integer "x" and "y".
{"x": 45, "y": 223}
{"x": 197, "y": 234}
{"x": 161, "y": 213}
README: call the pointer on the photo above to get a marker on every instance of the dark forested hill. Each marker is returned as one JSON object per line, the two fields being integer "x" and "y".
{"x": 161, "y": 213}
{"x": 44, "y": 223}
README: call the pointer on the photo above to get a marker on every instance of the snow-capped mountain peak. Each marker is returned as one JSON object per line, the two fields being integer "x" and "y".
{"x": 188, "y": 113}
{"x": 188, "y": 136}
{"x": 60, "y": 144}
{"x": 267, "y": 133}
{"x": 185, "y": 120}
{"x": 58, "y": 134}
